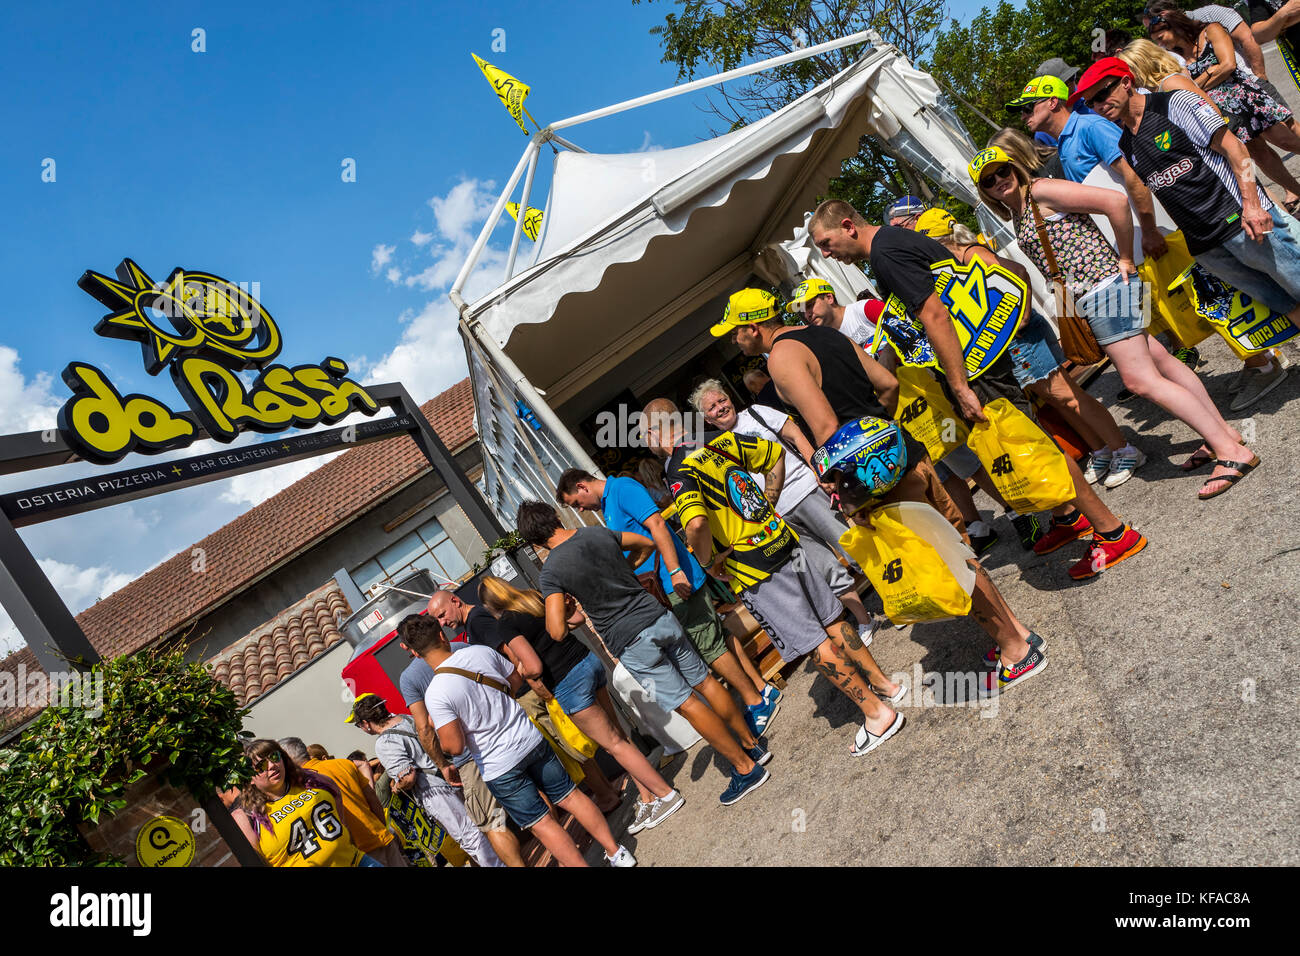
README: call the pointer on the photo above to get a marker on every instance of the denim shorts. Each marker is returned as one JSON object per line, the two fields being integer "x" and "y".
{"x": 1267, "y": 271}
{"x": 1116, "y": 311}
{"x": 664, "y": 662}
{"x": 520, "y": 790}
{"x": 577, "y": 691}
{"x": 1035, "y": 351}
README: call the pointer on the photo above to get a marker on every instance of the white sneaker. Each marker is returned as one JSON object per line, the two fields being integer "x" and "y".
{"x": 867, "y": 632}
{"x": 1125, "y": 461}
{"x": 1098, "y": 466}
{"x": 1258, "y": 383}
{"x": 622, "y": 858}
{"x": 641, "y": 819}
{"x": 664, "y": 807}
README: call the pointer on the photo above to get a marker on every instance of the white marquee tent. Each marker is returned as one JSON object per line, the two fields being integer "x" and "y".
{"x": 639, "y": 250}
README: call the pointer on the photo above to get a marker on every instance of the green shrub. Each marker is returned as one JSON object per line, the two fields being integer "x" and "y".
{"x": 72, "y": 766}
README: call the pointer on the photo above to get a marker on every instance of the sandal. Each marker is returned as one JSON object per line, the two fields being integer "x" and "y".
{"x": 1244, "y": 467}
{"x": 866, "y": 741}
{"x": 1200, "y": 458}
{"x": 895, "y": 697}
{"x": 1293, "y": 206}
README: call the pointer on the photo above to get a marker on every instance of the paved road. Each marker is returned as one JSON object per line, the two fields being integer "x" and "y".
{"x": 1163, "y": 732}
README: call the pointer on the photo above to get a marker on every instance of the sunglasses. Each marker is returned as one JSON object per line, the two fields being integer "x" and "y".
{"x": 261, "y": 766}
{"x": 1102, "y": 93}
{"x": 1003, "y": 171}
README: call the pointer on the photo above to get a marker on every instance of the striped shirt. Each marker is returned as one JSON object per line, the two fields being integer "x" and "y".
{"x": 1170, "y": 151}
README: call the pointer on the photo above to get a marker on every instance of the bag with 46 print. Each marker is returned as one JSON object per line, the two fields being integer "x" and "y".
{"x": 1028, "y": 469}
{"x": 915, "y": 560}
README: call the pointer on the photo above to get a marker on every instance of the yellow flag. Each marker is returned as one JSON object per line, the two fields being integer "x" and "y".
{"x": 532, "y": 219}
{"x": 512, "y": 92}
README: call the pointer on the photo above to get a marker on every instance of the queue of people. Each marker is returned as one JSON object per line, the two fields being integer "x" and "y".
{"x": 763, "y": 511}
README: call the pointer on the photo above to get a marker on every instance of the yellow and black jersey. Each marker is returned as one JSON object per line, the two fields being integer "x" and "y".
{"x": 716, "y": 480}
{"x": 306, "y": 830}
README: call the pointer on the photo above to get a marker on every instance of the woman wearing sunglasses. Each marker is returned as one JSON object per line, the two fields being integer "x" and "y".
{"x": 1251, "y": 112}
{"x": 1107, "y": 291}
{"x": 292, "y": 815}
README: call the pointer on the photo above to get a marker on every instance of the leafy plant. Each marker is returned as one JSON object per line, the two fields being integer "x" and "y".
{"x": 507, "y": 542}
{"x": 73, "y": 764}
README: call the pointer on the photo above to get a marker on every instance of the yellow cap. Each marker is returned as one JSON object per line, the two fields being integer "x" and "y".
{"x": 806, "y": 291}
{"x": 1040, "y": 88}
{"x": 935, "y": 223}
{"x": 746, "y": 307}
{"x": 986, "y": 157}
{"x": 352, "y": 715}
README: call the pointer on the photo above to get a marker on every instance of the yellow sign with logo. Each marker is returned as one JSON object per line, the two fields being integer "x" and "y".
{"x": 205, "y": 330}
{"x": 164, "y": 841}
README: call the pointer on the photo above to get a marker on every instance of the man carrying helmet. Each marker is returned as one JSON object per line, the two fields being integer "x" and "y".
{"x": 735, "y": 532}
{"x": 834, "y": 384}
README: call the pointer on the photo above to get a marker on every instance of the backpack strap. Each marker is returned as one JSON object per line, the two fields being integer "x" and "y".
{"x": 476, "y": 678}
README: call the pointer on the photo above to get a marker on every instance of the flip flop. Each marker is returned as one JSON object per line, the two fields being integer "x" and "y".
{"x": 1198, "y": 460}
{"x": 898, "y": 695}
{"x": 1244, "y": 467}
{"x": 866, "y": 741}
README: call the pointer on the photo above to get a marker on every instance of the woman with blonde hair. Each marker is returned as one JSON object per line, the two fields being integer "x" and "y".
{"x": 1037, "y": 360}
{"x": 574, "y": 676}
{"x": 1039, "y": 158}
{"x": 1053, "y": 224}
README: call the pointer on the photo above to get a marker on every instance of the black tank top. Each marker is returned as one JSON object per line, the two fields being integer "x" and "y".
{"x": 844, "y": 380}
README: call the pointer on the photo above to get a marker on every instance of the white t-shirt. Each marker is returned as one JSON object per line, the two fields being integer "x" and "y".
{"x": 800, "y": 481}
{"x": 498, "y": 733}
{"x": 856, "y": 325}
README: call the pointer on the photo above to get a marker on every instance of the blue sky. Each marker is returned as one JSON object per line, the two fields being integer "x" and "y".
{"x": 229, "y": 161}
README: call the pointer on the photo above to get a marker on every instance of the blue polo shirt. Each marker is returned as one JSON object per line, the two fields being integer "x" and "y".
{"x": 626, "y": 505}
{"x": 1086, "y": 141}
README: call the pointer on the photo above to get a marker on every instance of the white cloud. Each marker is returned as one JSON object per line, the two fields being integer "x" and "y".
{"x": 467, "y": 204}
{"x": 25, "y": 405}
{"x": 78, "y": 587}
{"x": 393, "y": 275}
{"x": 647, "y": 146}
{"x": 380, "y": 256}
{"x": 429, "y": 358}
{"x": 421, "y": 238}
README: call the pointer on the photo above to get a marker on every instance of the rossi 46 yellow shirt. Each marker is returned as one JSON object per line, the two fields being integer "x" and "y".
{"x": 716, "y": 480}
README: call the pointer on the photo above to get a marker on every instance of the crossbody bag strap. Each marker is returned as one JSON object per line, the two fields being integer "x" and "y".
{"x": 753, "y": 410}
{"x": 1052, "y": 265}
{"x": 476, "y": 678}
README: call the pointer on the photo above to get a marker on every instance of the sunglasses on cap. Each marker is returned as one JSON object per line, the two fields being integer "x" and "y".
{"x": 1001, "y": 171}
{"x": 1102, "y": 93}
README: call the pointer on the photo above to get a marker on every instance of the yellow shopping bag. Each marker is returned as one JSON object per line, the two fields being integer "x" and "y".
{"x": 572, "y": 767}
{"x": 1173, "y": 310}
{"x": 908, "y": 572}
{"x": 567, "y": 729}
{"x": 1028, "y": 469}
{"x": 924, "y": 410}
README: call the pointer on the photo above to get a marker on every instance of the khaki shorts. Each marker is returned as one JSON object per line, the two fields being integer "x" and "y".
{"x": 921, "y": 483}
{"x": 701, "y": 623}
{"x": 485, "y": 810}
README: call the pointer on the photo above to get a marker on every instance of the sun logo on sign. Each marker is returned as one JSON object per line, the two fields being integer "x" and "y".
{"x": 191, "y": 313}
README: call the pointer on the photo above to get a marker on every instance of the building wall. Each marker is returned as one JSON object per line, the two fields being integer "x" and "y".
{"x": 346, "y": 548}
{"x": 311, "y": 704}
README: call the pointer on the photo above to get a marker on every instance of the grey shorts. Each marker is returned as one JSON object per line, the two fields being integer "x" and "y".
{"x": 814, "y": 521}
{"x": 664, "y": 662}
{"x": 961, "y": 461}
{"x": 795, "y": 605}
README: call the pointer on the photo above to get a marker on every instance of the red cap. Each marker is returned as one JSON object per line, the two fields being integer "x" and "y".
{"x": 1106, "y": 66}
{"x": 873, "y": 308}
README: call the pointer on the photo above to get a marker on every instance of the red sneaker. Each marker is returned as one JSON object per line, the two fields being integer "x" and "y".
{"x": 1104, "y": 554}
{"x": 1063, "y": 534}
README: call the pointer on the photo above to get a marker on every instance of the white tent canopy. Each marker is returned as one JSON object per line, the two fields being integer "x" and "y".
{"x": 635, "y": 243}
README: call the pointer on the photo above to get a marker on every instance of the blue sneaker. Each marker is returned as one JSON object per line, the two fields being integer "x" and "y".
{"x": 742, "y": 784}
{"x": 759, "y": 754}
{"x": 758, "y": 717}
{"x": 771, "y": 693}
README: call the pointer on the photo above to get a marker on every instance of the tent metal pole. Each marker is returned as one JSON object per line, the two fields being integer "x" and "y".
{"x": 567, "y": 145}
{"x": 523, "y": 211}
{"x": 493, "y": 218}
{"x": 532, "y": 398}
{"x": 866, "y": 36}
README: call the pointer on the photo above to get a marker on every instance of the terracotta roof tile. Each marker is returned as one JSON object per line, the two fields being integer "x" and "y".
{"x": 252, "y": 666}
{"x": 22, "y": 664}
{"x": 161, "y": 601}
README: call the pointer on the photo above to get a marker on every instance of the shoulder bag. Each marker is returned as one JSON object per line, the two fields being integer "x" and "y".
{"x": 1077, "y": 341}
